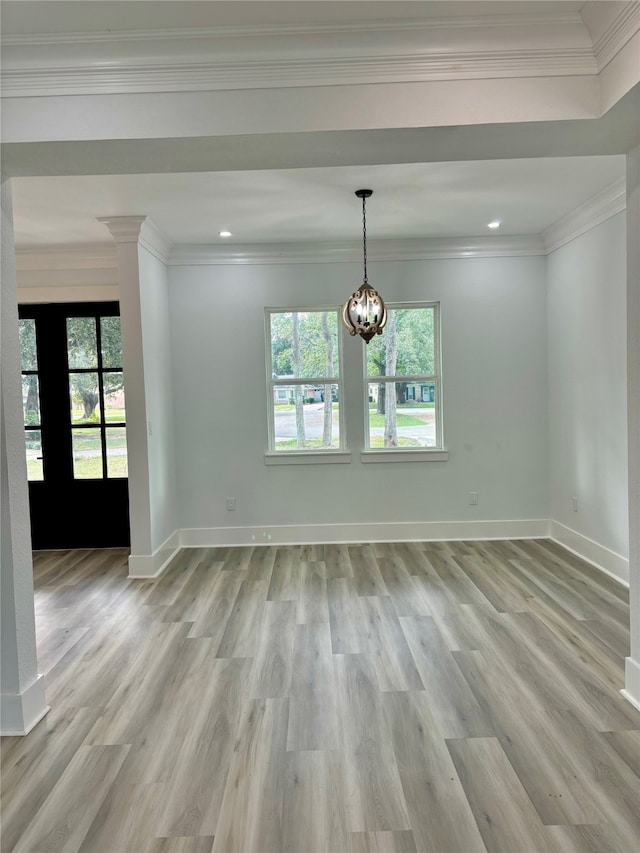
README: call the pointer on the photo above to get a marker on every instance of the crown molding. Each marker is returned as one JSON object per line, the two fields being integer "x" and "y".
{"x": 299, "y": 72}
{"x": 141, "y": 230}
{"x": 603, "y": 205}
{"x": 622, "y": 28}
{"x": 123, "y": 229}
{"x": 549, "y": 18}
{"x": 335, "y": 252}
{"x": 69, "y": 256}
{"x": 155, "y": 240}
{"x": 180, "y": 59}
{"x": 76, "y": 272}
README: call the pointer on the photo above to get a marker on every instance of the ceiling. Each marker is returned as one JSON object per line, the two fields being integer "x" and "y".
{"x": 455, "y": 198}
{"x": 414, "y": 200}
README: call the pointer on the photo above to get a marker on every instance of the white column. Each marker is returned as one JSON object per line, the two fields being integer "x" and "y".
{"x": 22, "y": 694}
{"x": 632, "y": 667}
{"x": 126, "y": 232}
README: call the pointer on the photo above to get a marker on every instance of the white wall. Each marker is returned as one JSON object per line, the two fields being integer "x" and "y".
{"x": 154, "y": 310}
{"x": 587, "y": 386}
{"x": 495, "y": 396}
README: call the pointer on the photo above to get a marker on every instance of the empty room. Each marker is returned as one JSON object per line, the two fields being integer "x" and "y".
{"x": 320, "y": 426}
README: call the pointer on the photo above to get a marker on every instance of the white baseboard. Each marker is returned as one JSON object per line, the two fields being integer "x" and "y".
{"x": 409, "y": 531}
{"x": 145, "y": 566}
{"x": 152, "y": 565}
{"x": 612, "y": 564}
{"x": 631, "y": 690}
{"x": 20, "y": 712}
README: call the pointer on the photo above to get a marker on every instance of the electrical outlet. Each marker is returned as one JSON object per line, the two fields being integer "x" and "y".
{"x": 574, "y": 503}
{"x": 473, "y": 498}
{"x": 231, "y": 504}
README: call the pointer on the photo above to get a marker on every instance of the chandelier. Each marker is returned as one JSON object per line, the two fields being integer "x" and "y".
{"x": 364, "y": 312}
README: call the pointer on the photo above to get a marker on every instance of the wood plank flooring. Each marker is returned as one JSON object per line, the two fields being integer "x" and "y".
{"x": 454, "y": 697}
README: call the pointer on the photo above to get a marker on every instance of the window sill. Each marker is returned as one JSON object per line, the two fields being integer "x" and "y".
{"x": 308, "y": 457}
{"x": 399, "y": 455}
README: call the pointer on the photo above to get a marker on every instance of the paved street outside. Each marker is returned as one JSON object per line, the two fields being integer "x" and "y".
{"x": 285, "y": 424}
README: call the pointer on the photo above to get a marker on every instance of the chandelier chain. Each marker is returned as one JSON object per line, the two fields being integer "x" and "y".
{"x": 364, "y": 238}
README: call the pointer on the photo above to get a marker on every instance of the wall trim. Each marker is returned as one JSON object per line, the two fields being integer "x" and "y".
{"x": 621, "y": 29}
{"x": 20, "y": 712}
{"x": 608, "y": 561}
{"x": 69, "y": 256}
{"x": 155, "y": 240}
{"x": 246, "y": 73}
{"x": 141, "y": 230}
{"x": 351, "y": 252}
{"x": 307, "y": 54}
{"x": 631, "y": 690}
{"x": 602, "y": 206}
{"x": 404, "y": 531}
{"x": 67, "y": 273}
{"x": 145, "y": 566}
{"x": 46, "y": 291}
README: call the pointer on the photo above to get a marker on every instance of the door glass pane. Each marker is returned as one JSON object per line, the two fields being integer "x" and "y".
{"x": 33, "y": 444}
{"x": 87, "y": 454}
{"x": 85, "y": 398}
{"x": 398, "y": 420}
{"x": 82, "y": 347}
{"x": 310, "y": 421}
{"x": 110, "y": 342}
{"x": 31, "y": 400}
{"x": 116, "y": 452}
{"x": 28, "y": 353}
{"x": 113, "y": 397}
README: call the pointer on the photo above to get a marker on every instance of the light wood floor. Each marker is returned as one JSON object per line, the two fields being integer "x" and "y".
{"x": 440, "y": 697}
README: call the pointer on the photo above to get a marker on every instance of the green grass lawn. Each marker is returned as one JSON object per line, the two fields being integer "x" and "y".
{"x": 88, "y": 468}
{"x": 403, "y": 441}
{"x": 376, "y": 420}
{"x": 89, "y": 439}
{"x": 408, "y": 406}
{"x": 376, "y": 441}
{"x": 292, "y": 444}
{"x": 111, "y": 416}
{"x": 85, "y": 443}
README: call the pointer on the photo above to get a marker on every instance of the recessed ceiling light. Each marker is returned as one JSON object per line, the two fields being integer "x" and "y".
{"x": 495, "y": 224}
{"x": 225, "y": 234}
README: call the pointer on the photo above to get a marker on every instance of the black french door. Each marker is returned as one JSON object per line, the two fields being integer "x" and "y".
{"x": 75, "y": 425}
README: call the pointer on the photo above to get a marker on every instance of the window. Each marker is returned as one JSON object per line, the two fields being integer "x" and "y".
{"x": 96, "y": 398}
{"x": 403, "y": 381}
{"x": 305, "y": 388}
{"x": 31, "y": 399}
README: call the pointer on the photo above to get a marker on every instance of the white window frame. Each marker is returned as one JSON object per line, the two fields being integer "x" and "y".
{"x": 312, "y": 455}
{"x": 438, "y": 453}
